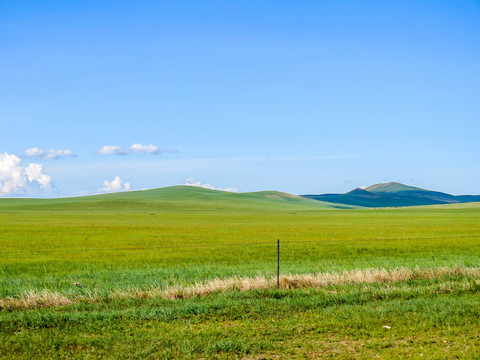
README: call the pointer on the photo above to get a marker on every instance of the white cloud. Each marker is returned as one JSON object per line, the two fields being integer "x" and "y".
{"x": 112, "y": 150}
{"x": 34, "y": 152}
{"x": 35, "y": 173}
{"x": 115, "y": 185}
{"x": 134, "y": 149}
{"x": 16, "y": 179}
{"x": 144, "y": 149}
{"x": 49, "y": 154}
{"x": 194, "y": 182}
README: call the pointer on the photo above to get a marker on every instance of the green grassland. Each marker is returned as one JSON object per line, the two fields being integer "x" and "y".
{"x": 187, "y": 235}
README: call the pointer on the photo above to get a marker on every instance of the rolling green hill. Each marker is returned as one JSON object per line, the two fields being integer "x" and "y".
{"x": 393, "y": 194}
{"x": 174, "y": 198}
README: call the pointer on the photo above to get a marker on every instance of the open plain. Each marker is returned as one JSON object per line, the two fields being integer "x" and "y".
{"x": 185, "y": 272}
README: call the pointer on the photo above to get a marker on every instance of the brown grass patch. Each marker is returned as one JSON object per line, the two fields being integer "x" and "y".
{"x": 46, "y": 298}
{"x": 34, "y": 299}
{"x": 303, "y": 281}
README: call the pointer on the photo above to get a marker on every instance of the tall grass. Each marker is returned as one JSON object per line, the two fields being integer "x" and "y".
{"x": 45, "y": 298}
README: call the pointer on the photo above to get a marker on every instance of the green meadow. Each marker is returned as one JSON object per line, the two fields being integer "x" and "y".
{"x": 86, "y": 249}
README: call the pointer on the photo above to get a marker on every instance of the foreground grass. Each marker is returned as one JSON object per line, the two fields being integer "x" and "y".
{"x": 423, "y": 318}
{"x": 34, "y": 299}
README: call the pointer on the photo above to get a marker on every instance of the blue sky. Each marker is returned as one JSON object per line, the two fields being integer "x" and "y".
{"x": 296, "y": 96}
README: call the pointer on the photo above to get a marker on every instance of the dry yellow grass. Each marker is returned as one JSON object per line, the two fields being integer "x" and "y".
{"x": 45, "y": 298}
{"x": 373, "y": 276}
{"x": 33, "y": 299}
{"x": 317, "y": 280}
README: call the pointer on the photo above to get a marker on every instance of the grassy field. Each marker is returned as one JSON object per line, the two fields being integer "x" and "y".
{"x": 87, "y": 250}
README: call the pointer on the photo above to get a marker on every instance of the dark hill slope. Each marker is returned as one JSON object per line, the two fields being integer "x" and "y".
{"x": 393, "y": 195}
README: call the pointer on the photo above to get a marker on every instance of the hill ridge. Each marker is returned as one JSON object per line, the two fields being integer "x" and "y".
{"x": 392, "y": 186}
{"x": 178, "y": 197}
{"x": 393, "y": 194}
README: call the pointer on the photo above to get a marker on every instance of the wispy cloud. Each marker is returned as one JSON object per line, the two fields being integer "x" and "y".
{"x": 144, "y": 149}
{"x": 16, "y": 179}
{"x": 194, "y": 182}
{"x": 49, "y": 154}
{"x": 115, "y": 185}
{"x": 136, "y": 148}
{"x": 112, "y": 150}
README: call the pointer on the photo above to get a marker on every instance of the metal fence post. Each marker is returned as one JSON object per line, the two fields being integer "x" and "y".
{"x": 278, "y": 263}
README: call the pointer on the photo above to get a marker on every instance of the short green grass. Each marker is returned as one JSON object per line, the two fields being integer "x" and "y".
{"x": 139, "y": 240}
{"x": 425, "y": 320}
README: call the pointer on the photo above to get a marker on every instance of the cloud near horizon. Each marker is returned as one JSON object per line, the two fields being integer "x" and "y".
{"x": 17, "y": 179}
{"x": 49, "y": 154}
{"x": 194, "y": 182}
{"x": 115, "y": 185}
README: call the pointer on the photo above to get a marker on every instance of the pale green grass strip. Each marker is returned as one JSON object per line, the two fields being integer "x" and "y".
{"x": 45, "y": 298}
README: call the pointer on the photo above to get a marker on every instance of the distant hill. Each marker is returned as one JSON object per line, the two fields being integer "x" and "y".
{"x": 393, "y": 194}
{"x": 392, "y": 187}
{"x": 174, "y": 198}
